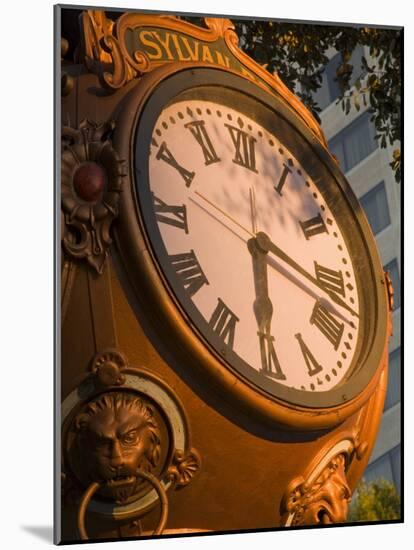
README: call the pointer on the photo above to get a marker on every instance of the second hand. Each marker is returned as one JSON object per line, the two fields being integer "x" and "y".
{"x": 224, "y": 213}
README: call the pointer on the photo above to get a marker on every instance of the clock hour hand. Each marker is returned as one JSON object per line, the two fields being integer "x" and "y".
{"x": 263, "y": 310}
{"x": 264, "y": 242}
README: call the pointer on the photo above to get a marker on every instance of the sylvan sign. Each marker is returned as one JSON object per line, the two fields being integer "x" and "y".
{"x": 161, "y": 45}
{"x": 136, "y": 44}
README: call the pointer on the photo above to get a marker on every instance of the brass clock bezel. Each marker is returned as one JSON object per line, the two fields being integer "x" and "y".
{"x": 298, "y": 409}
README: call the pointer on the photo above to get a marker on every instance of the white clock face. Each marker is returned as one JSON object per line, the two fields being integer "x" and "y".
{"x": 252, "y": 244}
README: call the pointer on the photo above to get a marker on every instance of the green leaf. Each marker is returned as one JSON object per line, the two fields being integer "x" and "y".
{"x": 375, "y": 501}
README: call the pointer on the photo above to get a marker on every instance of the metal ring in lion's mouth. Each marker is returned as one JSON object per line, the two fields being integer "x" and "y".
{"x": 94, "y": 486}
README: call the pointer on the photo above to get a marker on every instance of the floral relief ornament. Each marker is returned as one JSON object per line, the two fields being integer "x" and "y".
{"x": 92, "y": 176}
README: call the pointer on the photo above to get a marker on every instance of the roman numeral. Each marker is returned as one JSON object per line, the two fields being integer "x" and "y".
{"x": 270, "y": 362}
{"x": 282, "y": 180}
{"x": 327, "y": 324}
{"x": 314, "y": 226}
{"x": 223, "y": 322}
{"x": 313, "y": 366}
{"x": 188, "y": 271}
{"x": 329, "y": 279}
{"x": 199, "y": 131}
{"x": 165, "y": 154}
{"x": 244, "y": 148}
{"x": 169, "y": 214}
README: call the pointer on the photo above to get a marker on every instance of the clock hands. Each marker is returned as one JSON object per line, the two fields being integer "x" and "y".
{"x": 264, "y": 242}
{"x": 252, "y": 196}
{"x": 267, "y": 245}
{"x": 208, "y": 201}
{"x": 263, "y": 310}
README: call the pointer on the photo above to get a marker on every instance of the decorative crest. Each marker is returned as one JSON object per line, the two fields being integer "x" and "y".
{"x": 138, "y": 43}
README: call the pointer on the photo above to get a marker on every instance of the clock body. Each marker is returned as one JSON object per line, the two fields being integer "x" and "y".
{"x": 241, "y": 298}
{"x": 245, "y": 217}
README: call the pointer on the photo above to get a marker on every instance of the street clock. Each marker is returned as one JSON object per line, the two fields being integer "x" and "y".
{"x": 224, "y": 312}
{"x": 260, "y": 258}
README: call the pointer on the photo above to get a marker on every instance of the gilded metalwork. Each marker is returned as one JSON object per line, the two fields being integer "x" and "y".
{"x": 107, "y": 367}
{"x": 117, "y": 435}
{"x": 114, "y": 483}
{"x": 323, "y": 493}
{"x": 95, "y": 486}
{"x": 91, "y": 182}
{"x": 125, "y": 448}
{"x": 184, "y": 467}
{"x": 113, "y": 52}
{"x": 323, "y": 501}
{"x": 390, "y": 290}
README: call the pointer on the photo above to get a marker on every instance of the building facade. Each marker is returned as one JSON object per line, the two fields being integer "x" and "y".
{"x": 367, "y": 168}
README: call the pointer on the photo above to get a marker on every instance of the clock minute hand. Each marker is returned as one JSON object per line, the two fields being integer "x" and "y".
{"x": 266, "y": 244}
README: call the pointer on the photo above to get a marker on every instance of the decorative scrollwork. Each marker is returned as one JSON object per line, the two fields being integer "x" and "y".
{"x": 323, "y": 501}
{"x": 184, "y": 467}
{"x": 102, "y": 52}
{"x": 390, "y": 290}
{"x": 91, "y": 182}
{"x": 322, "y": 495}
{"x": 107, "y": 367}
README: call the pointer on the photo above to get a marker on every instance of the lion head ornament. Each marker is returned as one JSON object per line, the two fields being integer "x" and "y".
{"x": 117, "y": 436}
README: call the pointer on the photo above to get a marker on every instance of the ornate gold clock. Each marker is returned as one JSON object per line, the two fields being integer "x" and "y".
{"x": 223, "y": 303}
{"x": 259, "y": 258}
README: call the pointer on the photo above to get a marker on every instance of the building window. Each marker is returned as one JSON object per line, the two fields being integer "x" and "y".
{"x": 375, "y": 205}
{"x": 394, "y": 380}
{"x": 392, "y": 268}
{"x": 387, "y": 467}
{"x": 330, "y": 90}
{"x": 355, "y": 142}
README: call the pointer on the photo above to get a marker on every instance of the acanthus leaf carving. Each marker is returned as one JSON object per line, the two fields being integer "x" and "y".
{"x": 323, "y": 501}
